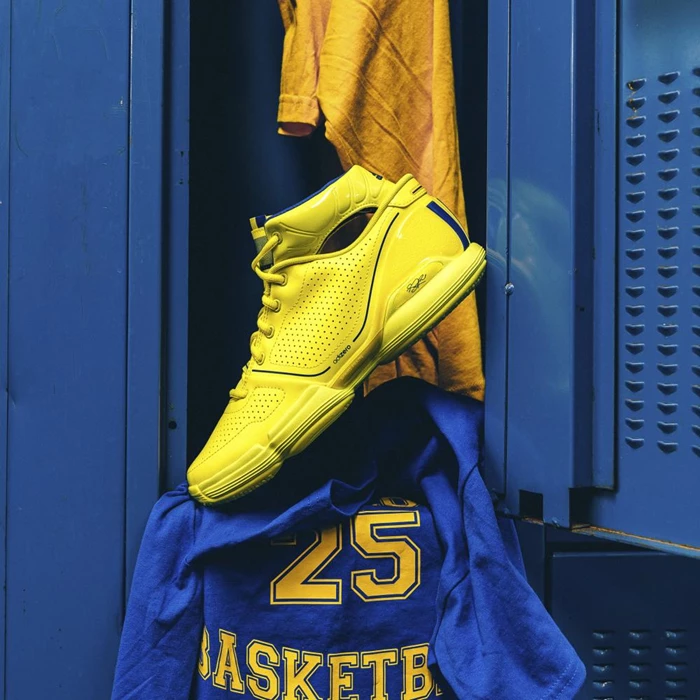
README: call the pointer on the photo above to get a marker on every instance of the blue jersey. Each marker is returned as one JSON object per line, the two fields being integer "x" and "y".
{"x": 347, "y": 610}
{"x": 372, "y": 567}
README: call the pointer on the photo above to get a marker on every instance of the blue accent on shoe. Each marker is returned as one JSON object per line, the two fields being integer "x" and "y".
{"x": 330, "y": 182}
{"x": 451, "y": 221}
{"x": 260, "y": 220}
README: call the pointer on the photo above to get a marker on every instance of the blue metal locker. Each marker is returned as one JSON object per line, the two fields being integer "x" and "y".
{"x": 633, "y": 620}
{"x": 629, "y": 612}
{"x": 593, "y": 408}
{"x": 85, "y": 150}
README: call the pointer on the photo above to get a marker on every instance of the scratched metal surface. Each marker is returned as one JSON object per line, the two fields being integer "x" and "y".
{"x": 68, "y": 164}
{"x": 84, "y": 222}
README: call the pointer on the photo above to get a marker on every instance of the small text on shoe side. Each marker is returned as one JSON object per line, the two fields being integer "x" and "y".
{"x": 340, "y": 355}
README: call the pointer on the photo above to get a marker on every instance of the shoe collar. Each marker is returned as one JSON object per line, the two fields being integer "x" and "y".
{"x": 304, "y": 227}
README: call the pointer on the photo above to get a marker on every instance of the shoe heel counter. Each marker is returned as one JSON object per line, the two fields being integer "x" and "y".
{"x": 425, "y": 231}
{"x": 436, "y": 207}
{"x": 420, "y": 244}
{"x": 440, "y": 224}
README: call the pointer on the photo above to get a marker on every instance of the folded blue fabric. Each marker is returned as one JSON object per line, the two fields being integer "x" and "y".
{"x": 372, "y": 557}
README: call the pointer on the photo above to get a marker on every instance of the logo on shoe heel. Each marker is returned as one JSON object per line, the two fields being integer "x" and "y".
{"x": 340, "y": 355}
{"x": 414, "y": 286}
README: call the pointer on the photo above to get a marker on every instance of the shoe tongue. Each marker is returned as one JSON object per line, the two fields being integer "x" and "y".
{"x": 260, "y": 237}
{"x": 304, "y": 228}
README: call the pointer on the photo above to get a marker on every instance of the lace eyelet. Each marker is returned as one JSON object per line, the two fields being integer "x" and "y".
{"x": 270, "y": 334}
{"x": 285, "y": 280}
{"x": 278, "y": 306}
{"x": 261, "y": 360}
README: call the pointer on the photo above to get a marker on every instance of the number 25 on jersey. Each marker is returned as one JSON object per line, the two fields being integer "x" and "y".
{"x": 302, "y": 582}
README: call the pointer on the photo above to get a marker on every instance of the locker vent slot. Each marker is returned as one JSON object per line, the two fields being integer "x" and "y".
{"x": 640, "y": 652}
{"x": 635, "y": 250}
{"x": 659, "y": 267}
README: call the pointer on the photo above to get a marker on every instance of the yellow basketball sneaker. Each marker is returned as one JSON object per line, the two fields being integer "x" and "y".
{"x": 329, "y": 318}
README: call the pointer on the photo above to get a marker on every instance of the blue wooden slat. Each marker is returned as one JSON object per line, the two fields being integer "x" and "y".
{"x": 67, "y": 316}
{"x": 145, "y": 271}
{"x": 5, "y": 35}
{"x": 498, "y": 229}
{"x": 177, "y": 227}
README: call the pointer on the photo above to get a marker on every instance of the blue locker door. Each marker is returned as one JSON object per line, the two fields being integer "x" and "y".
{"x": 541, "y": 155}
{"x": 68, "y": 164}
{"x": 593, "y": 331}
{"x": 84, "y": 223}
{"x": 658, "y": 278}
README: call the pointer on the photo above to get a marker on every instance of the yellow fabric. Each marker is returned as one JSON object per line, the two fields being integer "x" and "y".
{"x": 381, "y": 74}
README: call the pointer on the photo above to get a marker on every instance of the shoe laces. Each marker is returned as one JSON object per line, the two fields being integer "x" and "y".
{"x": 265, "y": 328}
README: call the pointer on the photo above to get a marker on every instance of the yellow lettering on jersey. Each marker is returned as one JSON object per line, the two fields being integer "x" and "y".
{"x": 397, "y": 502}
{"x": 367, "y": 538}
{"x": 341, "y": 679}
{"x": 204, "y": 665}
{"x": 378, "y": 661}
{"x": 298, "y": 668}
{"x": 417, "y": 679}
{"x": 300, "y": 583}
{"x": 263, "y": 681}
{"x": 228, "y": 674}
{"x": 438, "y": 689}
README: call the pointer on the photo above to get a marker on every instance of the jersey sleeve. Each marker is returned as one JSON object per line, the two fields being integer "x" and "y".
{"x": 494, "y": 638}
{"x": 163, "y": 625}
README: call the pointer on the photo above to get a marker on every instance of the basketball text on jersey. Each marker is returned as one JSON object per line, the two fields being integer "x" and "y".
{"x": 267, "y": 671}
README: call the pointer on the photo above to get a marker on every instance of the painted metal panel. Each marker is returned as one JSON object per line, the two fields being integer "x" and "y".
{"x": 540, "y": 334}
{"x": 177, "y": 140}
{"x": 658, "y": 314}
{"x": 634, "y": 620}
{"x": 498, "y": 230}
{"x": 604, "y": 242}
{"x": 5, "y": 33}
{"x": 601, "y": 170}
{"x": 67, "y": 327}
{"x": 532, "y": 538}
{"x": 551, "y": 156}
{"x": 145, "y": 255}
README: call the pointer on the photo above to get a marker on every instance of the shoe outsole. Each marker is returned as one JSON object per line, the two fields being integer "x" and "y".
{"x": 224, "y": 486}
